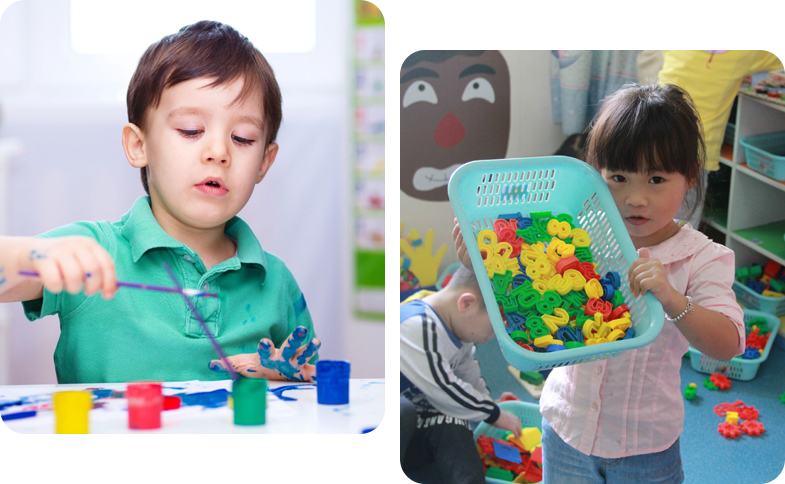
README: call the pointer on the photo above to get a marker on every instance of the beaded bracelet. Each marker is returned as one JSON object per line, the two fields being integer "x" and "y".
{"x": 688, "y": 309}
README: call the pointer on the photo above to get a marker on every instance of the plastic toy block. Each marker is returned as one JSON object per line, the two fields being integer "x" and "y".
{"x": 537, "y": 454}
{"x": 777, "y": 285}
{"x": 533, "y": 377}
{"x": 765, "y": 279}
{"x": 729, "y": 430}
{"x": 772, "y": 268}
{"x": 742, "y": 273}
{"x": 756, "y": 271}
{"x": 773, "y": 294}
{"x": 575, "y": 344}
{"x": 748, "y": 413}
{"x": 530, "y": 437}
{"x": 708, "y": 384}
{"x": 732, "y": 418}
{"x": 691, "y": 391}
{"x": 486, "y": 444}
{"x": 722, "y": 408}
{"x": 752, "y": 427}
{"x": 554, "y": 347}
{"x": 533, "y": 472}
{"x": 500, "y": 474}
{"x": 751, "y": 353}
{"x": 720, "y": 381}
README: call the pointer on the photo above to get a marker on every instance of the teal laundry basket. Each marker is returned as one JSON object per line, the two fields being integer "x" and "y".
{"x": 528, "y": 413}
{"x": 481, "y": 190}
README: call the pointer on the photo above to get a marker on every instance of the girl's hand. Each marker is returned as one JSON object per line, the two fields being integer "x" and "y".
{"x": 460, "y": 246}
{"x": 70, "y": 263}
{"x": 648, "y": 275}
{"x": 289, "y": 362}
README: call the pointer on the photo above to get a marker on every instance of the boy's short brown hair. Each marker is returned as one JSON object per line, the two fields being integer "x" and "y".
{"x": 464, "y": 278}
{"x": 203, "y": 49}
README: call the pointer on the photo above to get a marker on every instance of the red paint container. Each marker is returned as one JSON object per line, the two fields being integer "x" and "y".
{"x": 145, "y": 404}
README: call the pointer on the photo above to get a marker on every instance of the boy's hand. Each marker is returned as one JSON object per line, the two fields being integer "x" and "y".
{"x": 648, "y": 275}
{"x": 508, "y": 421}
{"x": 65, "y": 262}
{"x": 289, "y": 362}
{"x": 460, "y": 246}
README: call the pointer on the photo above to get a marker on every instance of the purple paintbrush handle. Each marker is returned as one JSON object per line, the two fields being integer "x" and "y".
{"x": 135, "y": 285}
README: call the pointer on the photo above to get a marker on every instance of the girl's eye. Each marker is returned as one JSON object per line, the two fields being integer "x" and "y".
{"x": 243, "y": 141}
{"x": 656, "y": 180}
{"x": 188, "y": 133}
{"x": 618, "y": 178}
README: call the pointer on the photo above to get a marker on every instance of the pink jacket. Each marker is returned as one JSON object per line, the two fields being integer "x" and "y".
{"x": 632, "y": 404}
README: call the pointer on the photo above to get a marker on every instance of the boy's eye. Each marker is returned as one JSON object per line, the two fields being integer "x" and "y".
{"x": 188, "y": 133}
{"x": 243, "y": 140}
{"x": 618, "y": 178}
{"x": 656, "y": 180}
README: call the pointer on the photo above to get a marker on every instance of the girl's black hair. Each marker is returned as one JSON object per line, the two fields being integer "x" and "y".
{"x": 645, "y": 128}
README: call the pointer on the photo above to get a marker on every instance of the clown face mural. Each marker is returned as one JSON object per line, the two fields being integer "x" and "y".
{"x": 455, "y": 108}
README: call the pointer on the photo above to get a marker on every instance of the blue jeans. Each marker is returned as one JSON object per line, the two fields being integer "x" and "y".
{"x": 562, "y": 464}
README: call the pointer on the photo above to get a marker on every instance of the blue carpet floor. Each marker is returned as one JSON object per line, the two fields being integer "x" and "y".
{"x": 707, "y": 457}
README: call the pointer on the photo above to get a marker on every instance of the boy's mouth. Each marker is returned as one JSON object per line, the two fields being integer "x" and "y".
{"x": 212, "y": 186}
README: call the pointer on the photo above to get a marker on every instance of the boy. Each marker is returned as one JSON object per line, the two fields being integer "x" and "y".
{"x": 440, "y": 376}
{"x": 203, "y": 109}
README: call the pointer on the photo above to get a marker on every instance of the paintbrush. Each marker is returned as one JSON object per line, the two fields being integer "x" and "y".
{"x": 198, "y": 316}
{"x": 146, "y": 287}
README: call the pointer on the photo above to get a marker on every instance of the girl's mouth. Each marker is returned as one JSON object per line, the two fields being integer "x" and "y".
{"x": 636, "y": 220}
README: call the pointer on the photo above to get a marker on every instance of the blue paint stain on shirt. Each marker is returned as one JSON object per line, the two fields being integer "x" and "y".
{"x": 299, "y": 305}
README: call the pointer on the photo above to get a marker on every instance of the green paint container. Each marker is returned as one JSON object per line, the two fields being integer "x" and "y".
{"x": 249, "y": 396}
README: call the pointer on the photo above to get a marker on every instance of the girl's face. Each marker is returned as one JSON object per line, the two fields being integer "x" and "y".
{"x": 647, "y": 203}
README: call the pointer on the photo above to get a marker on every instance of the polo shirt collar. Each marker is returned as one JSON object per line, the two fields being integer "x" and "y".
{"x": 144, "y": 233}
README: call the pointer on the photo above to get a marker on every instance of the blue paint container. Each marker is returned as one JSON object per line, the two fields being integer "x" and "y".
{"x": 332, "y": 382}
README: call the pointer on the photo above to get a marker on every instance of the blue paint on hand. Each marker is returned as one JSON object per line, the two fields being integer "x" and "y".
{"x": 218, "y": 367}
{"x": 295, "y": 341}
{"x": 308, "y": 352}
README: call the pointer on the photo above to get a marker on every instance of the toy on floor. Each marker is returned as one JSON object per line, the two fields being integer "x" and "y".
{"x": 720, "y": 381}
{"x": 733, "y": 412}
{"x": 512, "y": 460}
{"x": 531, "y": 381}
{"x": 543, "y": 276}
{"x": 691, "y": 391}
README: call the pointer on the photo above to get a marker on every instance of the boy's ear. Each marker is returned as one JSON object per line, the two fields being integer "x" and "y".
{"x": 466, "y": 301}
{"x": 133, "y": 145}
{"x": 267, "y": 161}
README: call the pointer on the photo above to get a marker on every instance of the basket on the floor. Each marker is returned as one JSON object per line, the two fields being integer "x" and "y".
{"x": 738, "y": 368}
{"x": 481, "y": 190}
{"x": 753, "y": 300}
{"x": 528, "y": 413}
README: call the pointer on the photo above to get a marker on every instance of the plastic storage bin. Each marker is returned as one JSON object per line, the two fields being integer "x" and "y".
{"x": 766, "y": 154}
{"x": 753, "y": 300}
{"x": 738, "y": 368}
{"x": 530, "y": 416}
{"x": 481, "y": 190}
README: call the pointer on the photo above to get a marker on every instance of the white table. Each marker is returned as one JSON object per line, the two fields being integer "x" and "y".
{"x": 300, "y": 416}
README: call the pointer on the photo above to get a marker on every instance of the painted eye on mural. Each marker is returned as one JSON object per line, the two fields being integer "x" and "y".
{"x": 419, "y": 91}
{"x": 479, "y": 88}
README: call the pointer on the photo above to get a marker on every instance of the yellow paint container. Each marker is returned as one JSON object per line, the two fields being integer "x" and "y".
{"x": 71, "y": 412}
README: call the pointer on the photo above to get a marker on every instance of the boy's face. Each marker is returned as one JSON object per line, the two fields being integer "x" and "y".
{"x": 475, "y": 325}
{"x": 204, "y": 155}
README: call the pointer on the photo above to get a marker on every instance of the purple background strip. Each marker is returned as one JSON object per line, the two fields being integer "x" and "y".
{"x": 32, "y": 458}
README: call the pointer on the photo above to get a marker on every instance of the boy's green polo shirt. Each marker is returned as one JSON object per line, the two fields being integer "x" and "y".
{"x": 150, "y": 335}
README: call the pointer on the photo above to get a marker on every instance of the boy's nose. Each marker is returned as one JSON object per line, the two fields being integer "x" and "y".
{"x": 217, "y": 151}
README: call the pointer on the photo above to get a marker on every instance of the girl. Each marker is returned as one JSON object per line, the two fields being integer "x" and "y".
{"x": 619, "y": 420}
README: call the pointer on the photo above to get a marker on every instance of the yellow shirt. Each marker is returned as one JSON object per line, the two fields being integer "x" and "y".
{"x": 713, "y": 81}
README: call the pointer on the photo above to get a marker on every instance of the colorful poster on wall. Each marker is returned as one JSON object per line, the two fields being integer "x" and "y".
{"x": 368, "y": 172}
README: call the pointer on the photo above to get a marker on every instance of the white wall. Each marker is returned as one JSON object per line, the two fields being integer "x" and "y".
{"x": 532, "y": 133}
{"x": 68, "y": 111}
